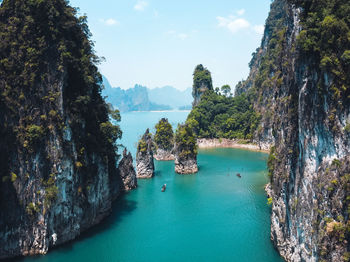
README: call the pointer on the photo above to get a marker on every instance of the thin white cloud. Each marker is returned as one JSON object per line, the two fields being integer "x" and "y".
{"x": 181, "y": 36}
{"x": 259, "y": 29}
{"x": 233, "y": 24}
{"x": 140, "y": 5}
{"x": 109, "y": 22}
{"x": 241, "y": 12}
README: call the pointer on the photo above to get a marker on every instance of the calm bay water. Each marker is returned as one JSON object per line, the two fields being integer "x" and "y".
{"x": 210, "y": 216}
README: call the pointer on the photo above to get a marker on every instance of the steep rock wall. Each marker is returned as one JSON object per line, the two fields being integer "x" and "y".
{"x": 307, "y": 128}
{"x": 58, "y": 173}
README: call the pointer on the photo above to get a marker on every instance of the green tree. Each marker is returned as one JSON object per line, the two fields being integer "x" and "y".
{"x": 186, "y": 141}
{"x": 164, "y": 137}
{"x": 218, "y": 116}
{"x": 226, "y": 90}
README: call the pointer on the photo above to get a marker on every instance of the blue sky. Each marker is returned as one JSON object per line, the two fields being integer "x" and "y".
{"x": 159, "y": 42}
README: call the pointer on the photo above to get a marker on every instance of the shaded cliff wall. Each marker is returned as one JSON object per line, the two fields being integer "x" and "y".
{"x": 304, "y": 103}
{"x": 58, "y": 172}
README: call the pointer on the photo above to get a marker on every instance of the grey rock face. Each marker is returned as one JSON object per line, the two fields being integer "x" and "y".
{"x": 310, "y": 156}
{"x": 164, "y": 155}
{"x": 42, "y": 211}
{"x": 184, "y": 167}
{"x": 127, "y": 171}
{"x": 144, "y": 157}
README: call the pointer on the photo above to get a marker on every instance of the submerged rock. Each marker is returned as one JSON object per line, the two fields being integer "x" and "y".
{"x": 144, "y": 156}
{"x": 185, "y": 150}
{"x": 127, "y": 171}
{"x": 164, "y": 141}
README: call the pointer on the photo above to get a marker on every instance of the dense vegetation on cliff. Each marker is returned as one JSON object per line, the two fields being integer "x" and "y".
{"x": 145, "y": 143}
{"x": 185, "y": 141}
{"x": 325, "y": 37}
{"x": 28, "y": 38}
{"x": 54, "y": 127}
{"x": 164, "y": 137}
{"x": 218, "y": 116}
{"x": 202, "y": 82}
{"x": 300, "y": 83}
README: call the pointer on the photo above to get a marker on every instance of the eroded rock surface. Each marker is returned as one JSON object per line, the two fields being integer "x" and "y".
{"x": 144, "y": 157}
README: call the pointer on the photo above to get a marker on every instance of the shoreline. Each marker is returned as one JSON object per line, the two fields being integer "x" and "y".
{"x": 204, "y": 143}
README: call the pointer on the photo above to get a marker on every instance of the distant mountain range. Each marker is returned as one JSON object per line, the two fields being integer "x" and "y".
{"x": 140, "y": 98}
{"x": 171, "y": 96}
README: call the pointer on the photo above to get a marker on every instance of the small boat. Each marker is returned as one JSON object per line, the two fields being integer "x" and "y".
{"x": 163, "y": 187}
{"x": 239, "y": 175}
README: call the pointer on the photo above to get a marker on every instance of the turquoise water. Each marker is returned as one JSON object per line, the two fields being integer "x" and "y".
{"x": 210, "y": 216}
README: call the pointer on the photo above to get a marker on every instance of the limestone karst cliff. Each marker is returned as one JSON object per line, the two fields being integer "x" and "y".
{"x": 127, "y": 171}
{"x": 185, "y": 150}
{"x": 58, "y": 173}
{"x": 144, "y": 156}
{"x": 201, "y": 83}
{"x": 164, "y": 141}
{"x": 300, "y": 78}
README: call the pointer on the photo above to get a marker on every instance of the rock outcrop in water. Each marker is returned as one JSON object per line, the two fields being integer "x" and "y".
{"x": 144, "y": 156}
{"x": 201, "y": 83}
{"x": 300, "y": 76}
{"x": 58, "y": 174}
{"x": 185, "y": 150}
{"x": 127, "y": 171}
{"x": 164, "y": 141}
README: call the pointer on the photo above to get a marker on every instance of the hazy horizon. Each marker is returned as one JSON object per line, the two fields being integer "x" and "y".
{"x": 159, "y": 43}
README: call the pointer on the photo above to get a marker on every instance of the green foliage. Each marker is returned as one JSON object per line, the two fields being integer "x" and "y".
{"x": 347, "y": 128}
{"x": 202, "y": 82}
{"x": 269, "y": 201}
{"x": 186, "y": 141}
{"x": 13, "y": 177}
{"x": 33, "y": 136}
{"x": 271, "y": 162}
{"x": 145, "y": 142}
{"x": 43, "y": 43}
{"x": 32, "y": 209}
{"x": 325, "y": 39}
{"x": 51, "y": 190}
{"x": 226, "y": 90}
{"x": 110, "y": 132}
{"x": 115, "y": 114}
{"x": 142, "y": 146}
{"x": 202, "y": 77}
{"x": 217, "y": 116}
{"x": 336, "y": 162}
{"x": 164, "y": 134}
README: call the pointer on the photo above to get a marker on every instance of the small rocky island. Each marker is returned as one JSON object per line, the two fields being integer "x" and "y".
{"x": 144, "y": 156}
{"x": 185, "y": 150}
{"x": 127, "y": 172}
{"x": 164, "y": 141}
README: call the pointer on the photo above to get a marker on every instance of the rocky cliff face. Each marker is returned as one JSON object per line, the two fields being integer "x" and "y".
{"x": 127, "y": 171}
{"x": 304, "y": 103}
{"x": 185, "y": 150}
{"x": 164, "y": 141}
{"x": 58, "y": 174}
{"x": 164, "y": 155}
{"x": 144, "y": 156}
{"x": 201, "y": 83}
